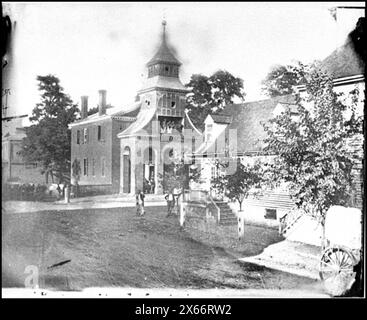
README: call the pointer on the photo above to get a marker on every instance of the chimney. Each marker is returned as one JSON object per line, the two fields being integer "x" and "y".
{"x": 84, "y": 107}
{"x": 102, "y": 102}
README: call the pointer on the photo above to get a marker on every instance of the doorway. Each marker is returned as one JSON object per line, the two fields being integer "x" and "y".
{"x": 126, "y": 162}
{"x": 149, "y": 174}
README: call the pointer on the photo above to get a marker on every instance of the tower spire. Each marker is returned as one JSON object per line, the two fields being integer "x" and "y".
{"x": 164, "y": 54}
{"x": 164, "y": 23}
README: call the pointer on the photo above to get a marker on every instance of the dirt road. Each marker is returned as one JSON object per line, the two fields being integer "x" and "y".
{"x": 114, "y": 248}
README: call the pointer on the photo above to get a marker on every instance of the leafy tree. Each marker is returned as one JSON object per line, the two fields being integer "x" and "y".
{"x": 211, "y": 94}
{"x": 237, "y": 186}
{"x": 311, "y": 148}
{"x": 92, "y": 111}
{"x": 225, "y": 88}
{"x": 96, "y": 109}
{"x": 48, "y": 139}
{"x": 282, "y": 79}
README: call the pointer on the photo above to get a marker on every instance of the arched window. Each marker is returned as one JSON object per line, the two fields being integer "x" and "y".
{"x": 126, "y": 151}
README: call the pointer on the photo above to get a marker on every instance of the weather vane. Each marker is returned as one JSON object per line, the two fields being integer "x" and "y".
{"x": 164, "y": 22}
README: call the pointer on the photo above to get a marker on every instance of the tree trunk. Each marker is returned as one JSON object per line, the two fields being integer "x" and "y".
{"x": 323, "y": 246}
{"x": 240, "y": 202}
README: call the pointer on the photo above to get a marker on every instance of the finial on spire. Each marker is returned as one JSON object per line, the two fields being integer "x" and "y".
{"x": 164, "y": 23}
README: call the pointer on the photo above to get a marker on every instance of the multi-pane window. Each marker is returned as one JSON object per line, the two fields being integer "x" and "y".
{"x": 11, "y": 156}
{"x": 103, "y": 167}
{"x": 209, "y": 129}
{"x": 85, "y": 167}
{"x": 77, "y": 137}
{"x": 270, "y": 214}
{"x": 214, "y": 172}
{"x": 99, "y": 133}
{"x": 93, "y": 167}
{"x": 85, "y": 138}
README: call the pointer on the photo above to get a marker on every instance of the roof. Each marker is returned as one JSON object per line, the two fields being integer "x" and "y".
{"x": 221, "y": 118}
{"x": 189, "y": 125}
{"x": 293, "y": 108}
{"x": 163, "y": 82}
{"x": 130, "y": 111}
{"x": 144, "y": 117}
{"x": 247, "y": 119}
{"x": 343, "y": 62}
{"x": 164, "y": 54}
{"x": 143, "y": 123}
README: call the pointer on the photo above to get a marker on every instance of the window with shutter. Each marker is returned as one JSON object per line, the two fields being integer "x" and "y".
{"x": 99, "y": 134}
{"x": 85, "y": 133}
{"x": 85, "y": 167}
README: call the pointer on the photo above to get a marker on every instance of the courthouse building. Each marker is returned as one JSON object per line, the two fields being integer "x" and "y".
{"x": 121, "y": 150}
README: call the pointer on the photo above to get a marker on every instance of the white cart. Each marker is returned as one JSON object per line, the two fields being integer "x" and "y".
{"x": 343, "y": 230}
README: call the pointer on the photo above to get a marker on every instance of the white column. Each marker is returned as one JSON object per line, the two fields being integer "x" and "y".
{"x": 121, "y": 167}
{"x": 132, "y": 167}
{"x": 156, "y": 171}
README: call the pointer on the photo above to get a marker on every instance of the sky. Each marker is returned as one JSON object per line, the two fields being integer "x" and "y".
{"x": 93, "y": 46}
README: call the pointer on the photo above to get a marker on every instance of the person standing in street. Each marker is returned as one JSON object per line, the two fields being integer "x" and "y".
{"x": 170, "y": 202}
{"x": 140, "y": 203}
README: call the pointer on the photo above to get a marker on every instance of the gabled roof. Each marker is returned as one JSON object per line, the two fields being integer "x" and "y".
{"x": 343, "y": 62}
{"x": 248, "y": 119}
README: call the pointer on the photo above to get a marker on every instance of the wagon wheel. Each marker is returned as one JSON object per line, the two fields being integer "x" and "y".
{"x": 336, "y": 269}
{"x": 334, "y": 261}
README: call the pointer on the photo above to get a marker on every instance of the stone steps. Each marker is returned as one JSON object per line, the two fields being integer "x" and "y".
{"x": 227, "y": 217}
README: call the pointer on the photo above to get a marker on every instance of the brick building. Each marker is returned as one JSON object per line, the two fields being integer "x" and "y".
{"x": 96, "y": 147}
{"x": 121, "y": 150}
